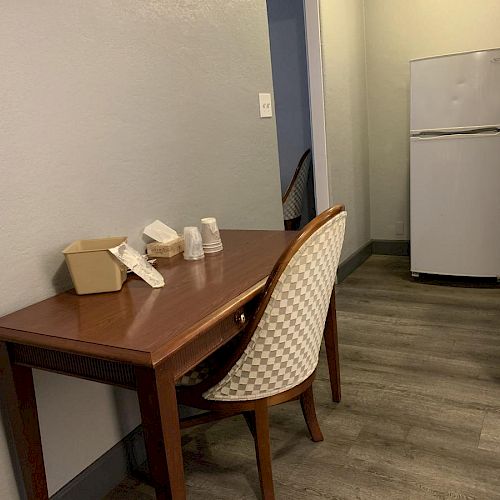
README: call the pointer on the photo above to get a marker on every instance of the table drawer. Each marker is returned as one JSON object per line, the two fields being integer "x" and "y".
{"x": 207, "y": 343}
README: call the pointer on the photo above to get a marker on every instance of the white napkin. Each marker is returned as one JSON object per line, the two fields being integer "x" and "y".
{"x": 138, "y": 264}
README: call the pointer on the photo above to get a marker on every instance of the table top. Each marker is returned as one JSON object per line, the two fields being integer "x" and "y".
{"x": 143, "y": 325}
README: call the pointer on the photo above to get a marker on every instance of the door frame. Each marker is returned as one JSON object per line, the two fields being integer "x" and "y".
{"x": 312, "y": 25}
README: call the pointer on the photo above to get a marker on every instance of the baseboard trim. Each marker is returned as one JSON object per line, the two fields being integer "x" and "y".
{"x": 353, "y": 261}
{"x": 99, "y": 478}
{"x": 391, "y": 247}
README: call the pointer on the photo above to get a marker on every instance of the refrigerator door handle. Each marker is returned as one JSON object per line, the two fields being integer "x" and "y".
{"x": 453, "y": 136}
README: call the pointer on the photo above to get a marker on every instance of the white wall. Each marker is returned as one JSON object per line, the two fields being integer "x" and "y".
{"x": 397, "y": 31}
{"x": 291, "y": 93}
{"x": 343, "y": 45}
{"x": 112, "y": 117}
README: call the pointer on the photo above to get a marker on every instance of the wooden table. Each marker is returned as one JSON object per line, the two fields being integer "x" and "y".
{"x": 140, "y": 338}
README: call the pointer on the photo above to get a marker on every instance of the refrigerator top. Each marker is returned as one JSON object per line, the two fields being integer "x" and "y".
{"x": 459, "y": 91}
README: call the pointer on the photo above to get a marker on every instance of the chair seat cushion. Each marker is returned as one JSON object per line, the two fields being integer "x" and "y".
{"x": 202, "y": 370}
{"x": 196, "y": 375}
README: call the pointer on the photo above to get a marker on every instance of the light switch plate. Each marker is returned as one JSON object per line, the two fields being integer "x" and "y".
{"x": 265, "y": 105}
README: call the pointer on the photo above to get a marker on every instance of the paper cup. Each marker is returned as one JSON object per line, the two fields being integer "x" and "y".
{"x": 209, "y": 231}
{"x": 193, "y": 248}
{"x": 213, "y": 248}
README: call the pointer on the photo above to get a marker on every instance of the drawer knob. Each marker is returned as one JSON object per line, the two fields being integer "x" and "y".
{"x": 240, "y": 318}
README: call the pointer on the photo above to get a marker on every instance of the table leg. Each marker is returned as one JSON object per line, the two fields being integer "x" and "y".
{"x": 18, "y": 394}
{"x": 162, "y": 435}
{"x": 332, "y": 349}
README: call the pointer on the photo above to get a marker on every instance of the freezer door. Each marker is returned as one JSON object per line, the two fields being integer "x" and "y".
{"x": 455, "y": 205}
{"x": 457, "y": 91}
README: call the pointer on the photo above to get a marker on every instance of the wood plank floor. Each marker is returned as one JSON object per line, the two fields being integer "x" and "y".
{"x": 420, "y": 414}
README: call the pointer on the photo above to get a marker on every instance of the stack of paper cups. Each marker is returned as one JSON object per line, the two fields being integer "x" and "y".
{"x": 210, "y": 235}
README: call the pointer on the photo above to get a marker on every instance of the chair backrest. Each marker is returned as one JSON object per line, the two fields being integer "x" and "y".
{"x": 285, "y": 334}
{"x": 294, "y": 196}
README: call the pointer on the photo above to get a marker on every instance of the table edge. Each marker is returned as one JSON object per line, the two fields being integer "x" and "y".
{"x": 77, "y": 347}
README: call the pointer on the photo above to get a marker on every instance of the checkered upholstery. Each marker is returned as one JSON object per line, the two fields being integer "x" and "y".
{"x": 285, "y": 346}
{"x": 213, "y": 362}
{"x": 196, "y": 375}
{"x": 292, "y": 206}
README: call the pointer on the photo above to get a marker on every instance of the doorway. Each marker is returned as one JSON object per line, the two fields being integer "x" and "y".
{"x": 295, "y": 40}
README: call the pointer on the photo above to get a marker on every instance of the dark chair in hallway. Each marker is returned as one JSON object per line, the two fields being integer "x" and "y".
{"x": 293, "y": 199}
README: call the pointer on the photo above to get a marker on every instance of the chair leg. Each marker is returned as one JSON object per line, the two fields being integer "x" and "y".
{"x": 263, "y": 449}
{"x": 309, "y": 412}
{"x": 332, "y": 349}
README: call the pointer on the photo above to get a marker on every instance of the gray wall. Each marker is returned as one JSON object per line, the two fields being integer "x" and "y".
{"x": 343, "y": 46}
{"x": 291, "y": 93}
{"x": 115, "y": 113}
{"x": 396, "y": 32}
{"x": 366, "y": 48}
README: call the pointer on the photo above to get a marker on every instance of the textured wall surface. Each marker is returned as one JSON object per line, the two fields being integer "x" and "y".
{"x": 397, "y": 31}
{"x": 343, "y": 43}
{"x": 115, "y": 113}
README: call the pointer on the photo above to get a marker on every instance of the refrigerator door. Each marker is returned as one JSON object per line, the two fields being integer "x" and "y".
{"x": 459, "y": 91}
{"x": 455, "y": 205}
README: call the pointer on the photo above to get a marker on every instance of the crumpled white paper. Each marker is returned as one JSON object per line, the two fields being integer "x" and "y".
{"x": 160, "y": 232}
{"x": 137, "y": 264}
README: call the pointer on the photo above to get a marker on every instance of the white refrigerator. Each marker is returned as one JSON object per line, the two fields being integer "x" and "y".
{"x": 455, "y": 164}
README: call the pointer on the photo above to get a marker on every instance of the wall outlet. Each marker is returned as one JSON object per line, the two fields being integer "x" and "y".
{"x": 265, "y": 105}
{"x": 400, "y": 228}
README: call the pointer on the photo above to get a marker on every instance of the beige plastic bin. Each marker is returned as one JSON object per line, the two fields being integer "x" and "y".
{"x": 93, "y": 269}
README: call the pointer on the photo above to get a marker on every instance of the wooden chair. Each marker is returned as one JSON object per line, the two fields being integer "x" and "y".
{"x": 293, "y": 199}
{"x": 275, "y": 357}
